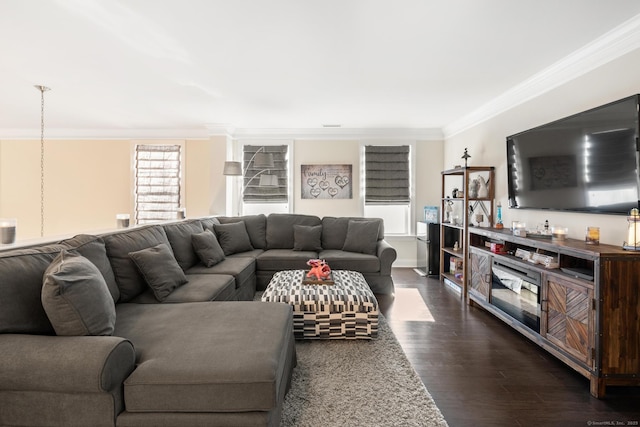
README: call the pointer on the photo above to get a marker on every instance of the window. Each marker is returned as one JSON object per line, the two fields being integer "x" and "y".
{"x": 387, "y": 186}
{"x": 265, "y": 181}
{"x": 158, "y": 173}
{"x": 265, "y": 178}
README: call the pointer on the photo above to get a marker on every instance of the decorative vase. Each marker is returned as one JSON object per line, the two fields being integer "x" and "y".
{"x": 483, "y": 188}
{"x": 473, "y": 188}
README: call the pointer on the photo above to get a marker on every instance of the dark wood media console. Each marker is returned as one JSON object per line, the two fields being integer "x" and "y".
{"x": 584, "y": 307}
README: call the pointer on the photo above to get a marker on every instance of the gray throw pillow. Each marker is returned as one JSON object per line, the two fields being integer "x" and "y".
{"x": 160, "y": 269}
{"x": 307, "y": 238}
{"x": 76, "y": 298}
{"x": 233, "y": 237}
{"x": 362, "y": 237}
{"x": 208, "y": 248}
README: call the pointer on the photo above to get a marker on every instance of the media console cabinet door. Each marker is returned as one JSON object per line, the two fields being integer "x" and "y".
{"x": 569, "y": 317}
{"x": 480, "y": 285}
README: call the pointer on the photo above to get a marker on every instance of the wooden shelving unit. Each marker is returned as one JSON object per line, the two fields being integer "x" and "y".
{"x": 458, "y": 211}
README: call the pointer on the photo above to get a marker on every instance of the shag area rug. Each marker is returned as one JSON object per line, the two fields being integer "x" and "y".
{"x": 345, "y": 383}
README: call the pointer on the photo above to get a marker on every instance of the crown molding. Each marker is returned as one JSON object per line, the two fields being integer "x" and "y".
{"x": 610, "y": 46}
{"x": 61, "y": 133}
{"x": 422, "y": 134}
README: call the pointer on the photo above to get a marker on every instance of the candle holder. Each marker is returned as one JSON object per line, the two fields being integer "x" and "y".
{"x": 633, "y": 231}
{"x": 559, "y": 234}
{"x": 8, "y": 230}
{"x": 593, "y": 236}
{"x": 123, "y": 220}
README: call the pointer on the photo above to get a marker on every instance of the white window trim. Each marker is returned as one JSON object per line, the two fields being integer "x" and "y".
{"x": 412, "y": 179}
{"x": 132, "y": 157}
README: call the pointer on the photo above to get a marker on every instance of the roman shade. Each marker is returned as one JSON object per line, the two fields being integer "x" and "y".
{"x": 157, "y": 187}
{"x": 387, "y": 174}
{"x": 265, "y": 183}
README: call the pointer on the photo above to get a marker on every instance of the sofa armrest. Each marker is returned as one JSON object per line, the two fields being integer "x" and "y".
{"x": 64, "y": 364}
{"x": 387, "y": 255}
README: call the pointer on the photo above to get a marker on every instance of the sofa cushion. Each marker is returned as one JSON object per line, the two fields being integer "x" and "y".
{"x": 208, "y": 222}
{"x": 233, "y": 237}
{"x": 76, "y": 298}
{"x": 160, "y": 269}
{"x": 280, "y": 229}
{"x": 242, "y": 268}
{"x": 21, "y": 272}
{"x": 179, "y": 235}
{"x": 284, "y": 259}
{"x": 207, "y": 248}
{"x": 256, "y": 228}
{"x": 209, "y": 368}
{"x": 92, "y": 248}
{"x": 334, "y": 230}
{"x": 341, "y": 260}
{"x": 119, "y": 245}
{"x": 200, "y": 288}
{"x": 307, "y": 238}
{"x": 362, "y": 237}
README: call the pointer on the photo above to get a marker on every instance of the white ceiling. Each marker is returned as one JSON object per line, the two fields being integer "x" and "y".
{"x": 185, "y": 64}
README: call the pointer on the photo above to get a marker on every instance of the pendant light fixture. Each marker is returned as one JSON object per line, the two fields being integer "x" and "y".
{"x": 42, "y": 90}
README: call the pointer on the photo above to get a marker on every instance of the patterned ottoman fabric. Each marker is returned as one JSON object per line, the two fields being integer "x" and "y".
{"x": 346, "y": 309}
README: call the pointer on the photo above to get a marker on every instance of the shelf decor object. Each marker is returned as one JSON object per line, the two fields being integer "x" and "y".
{"x": 8, "y": 231}
{"x": 633, "y": 231}
{"x": 465, "y": 157}
{"x": 122, "y": 220}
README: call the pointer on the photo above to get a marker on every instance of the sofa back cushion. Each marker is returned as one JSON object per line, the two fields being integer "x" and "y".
{"x": 92, "y": 248}
{"x": 209, "y": 222}
{"x": 21, "y": 273}
{"x": 256, "y": 228}
{"x": 119, "y": 245}
{"x": 334, "y": 230}
{"x": 280, "y": 233}
{"x": 179, "y": 235}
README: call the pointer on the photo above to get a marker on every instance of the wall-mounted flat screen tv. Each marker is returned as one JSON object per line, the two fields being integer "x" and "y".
{"x": 587, "y": 162}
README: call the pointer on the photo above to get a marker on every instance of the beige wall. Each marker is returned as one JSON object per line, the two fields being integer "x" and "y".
{"x": 327, "y": 153}
{"x": 87, "y": 182}
{"x": 487, "y": 142}
{"x": 204, "y": 183}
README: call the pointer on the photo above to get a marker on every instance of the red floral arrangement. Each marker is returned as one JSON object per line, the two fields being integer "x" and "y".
{"x": 319, "y": 269}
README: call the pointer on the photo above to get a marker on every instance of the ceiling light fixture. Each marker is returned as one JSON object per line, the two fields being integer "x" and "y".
{"x": 42, "y": 90}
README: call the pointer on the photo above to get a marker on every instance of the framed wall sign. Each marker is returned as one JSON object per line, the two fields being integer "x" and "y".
{"x": 326, "y": 181}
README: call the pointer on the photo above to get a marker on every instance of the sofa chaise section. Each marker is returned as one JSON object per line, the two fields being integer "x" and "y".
{"x": 234, "y": 364}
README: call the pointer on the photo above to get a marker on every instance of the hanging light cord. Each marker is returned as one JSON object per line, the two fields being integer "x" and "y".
{"x": 42, "y": 90}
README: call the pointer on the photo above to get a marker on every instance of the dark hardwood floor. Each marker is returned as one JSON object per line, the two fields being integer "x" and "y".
{"x": 480, "y": 372}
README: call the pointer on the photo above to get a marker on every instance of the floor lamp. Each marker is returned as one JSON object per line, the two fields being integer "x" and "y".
{"x": 261, "y": 160}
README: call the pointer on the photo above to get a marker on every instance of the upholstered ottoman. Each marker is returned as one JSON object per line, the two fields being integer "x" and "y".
{"x": 346, "y": 309}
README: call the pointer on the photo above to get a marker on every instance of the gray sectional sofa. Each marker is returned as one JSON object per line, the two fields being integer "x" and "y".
{"x": 155, "y": 325}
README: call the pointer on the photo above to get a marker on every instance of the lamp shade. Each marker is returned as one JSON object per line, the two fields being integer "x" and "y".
{"x": 232, "y": 169}
{"x": 263, "y": 161}
{"x": 268, "y": 180}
